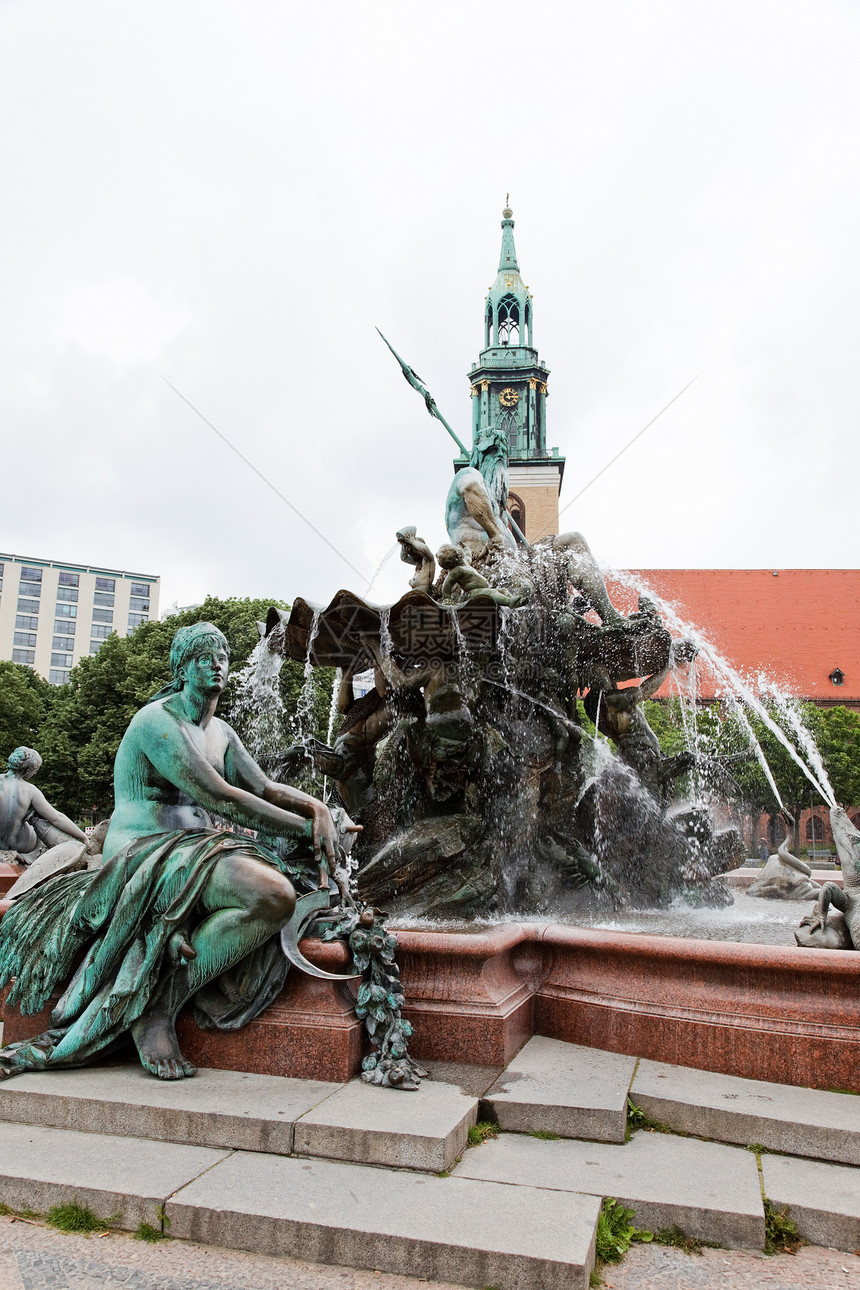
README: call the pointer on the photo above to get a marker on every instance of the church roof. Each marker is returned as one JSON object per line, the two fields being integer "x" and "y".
{"x": 800, "y": 626}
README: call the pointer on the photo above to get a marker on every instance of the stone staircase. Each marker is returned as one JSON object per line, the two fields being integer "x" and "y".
{"x": 366, "y": 1177}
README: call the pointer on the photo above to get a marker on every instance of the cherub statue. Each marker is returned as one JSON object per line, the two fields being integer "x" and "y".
{"x": 463, "y": 583}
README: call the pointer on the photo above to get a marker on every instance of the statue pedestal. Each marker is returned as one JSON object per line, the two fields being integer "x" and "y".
{"x": 309, "y": 1032}
{"x": 9, "y": 874}
{"x": 768, "y": 1012}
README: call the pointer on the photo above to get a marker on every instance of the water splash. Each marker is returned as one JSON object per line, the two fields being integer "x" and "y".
{"x": 734, "y": 684}
{"x": 303, "y": 721}
{"x": 258, "y": 709}
{"x": 788, "y": 710}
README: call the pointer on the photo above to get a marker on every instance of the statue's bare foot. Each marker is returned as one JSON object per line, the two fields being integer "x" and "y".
{"x": 158, "y": 1048}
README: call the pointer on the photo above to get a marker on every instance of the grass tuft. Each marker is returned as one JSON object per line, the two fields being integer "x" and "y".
{"x": 780, "y": 1232}
{"x": 146, "y": 1232}
{"x": 545, "y": 1135}
{"x": 74, "y": 1217}
{"x": 480, "y": 1132}
{"x": 679, "y": 1240}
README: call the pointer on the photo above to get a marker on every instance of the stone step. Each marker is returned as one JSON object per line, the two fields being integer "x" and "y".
{"x": 709, "y": 1190}
{"x": 556, "y": 1087}
{"x": 126, "y": 1180}
{"x": 727, "y": 1108}
{"x": 823, "y": 1200}
{"x": 426, "y": 1129}
{"x": 453, "y": 1229}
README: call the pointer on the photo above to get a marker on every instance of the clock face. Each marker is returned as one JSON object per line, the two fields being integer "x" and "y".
{"x": 509, "y": 398}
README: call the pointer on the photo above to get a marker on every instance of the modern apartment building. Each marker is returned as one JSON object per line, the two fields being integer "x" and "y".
{"x": 53, "y": 613}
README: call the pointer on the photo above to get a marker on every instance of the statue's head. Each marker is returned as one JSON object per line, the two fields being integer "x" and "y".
{"x": 24, "y": 762}
{"x": 191, "y": 644}
{"x": 490, "y": 456}
{"x": 451, "y": 554}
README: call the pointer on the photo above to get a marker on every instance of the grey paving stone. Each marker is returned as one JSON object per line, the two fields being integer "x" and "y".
{"x": 824, "y": 1200}
{"x": 800, "y": 1121}
{"x": 424, "y": 1129}
{"x": 710, "y": 1190}
{"x": 562, "y": 1088}
{"x": 474, "y": 1233}
{"x": 214, "y": 1109}
{"x": 127, "y": 1179}
{"x": 470, "y": 1078}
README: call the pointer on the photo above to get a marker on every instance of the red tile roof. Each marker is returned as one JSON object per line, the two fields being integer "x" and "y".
{"x": 797, "y": 625}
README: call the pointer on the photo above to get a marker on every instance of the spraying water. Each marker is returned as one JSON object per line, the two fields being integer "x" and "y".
{"x": 728, "y": 676}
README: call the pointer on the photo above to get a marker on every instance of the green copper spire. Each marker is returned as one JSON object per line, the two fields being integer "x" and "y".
{"x": 508, "y": 257}
{"x": 509, "y": 381}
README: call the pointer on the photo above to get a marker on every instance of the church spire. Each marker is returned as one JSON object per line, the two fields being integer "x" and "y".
{"x": 508, "y": 313}
{"x": 508, "y": 257}
{"x": 509, "y": 393}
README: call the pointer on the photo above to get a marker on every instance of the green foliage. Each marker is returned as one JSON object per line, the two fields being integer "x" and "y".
{"x": 545, "y": 1135}
{"x": 74, "y": 1217}
{"x": 781, "y": 1234}
{"x": 678, "y": 1239}
{"x": 5, "y": 1210}
{"x": 481, "y": 1132}
{"x": 25, "y": 700}
{"x": 89, "y": 715}
{"x": 616, "y": 1232}
{"x": 636, "y": 1119}
{"x": 146, "y": 1232}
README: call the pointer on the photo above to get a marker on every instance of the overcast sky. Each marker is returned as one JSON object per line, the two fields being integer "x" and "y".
{"x": 232, "y": 195}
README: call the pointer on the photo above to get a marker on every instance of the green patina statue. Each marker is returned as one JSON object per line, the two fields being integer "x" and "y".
{"x": 178, "y": 902}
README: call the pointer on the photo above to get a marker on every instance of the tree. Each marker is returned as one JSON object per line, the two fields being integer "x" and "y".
{"x": 24, "y": 703}
{"x": 90, "y": 714}
{"x": 839, "y": 742}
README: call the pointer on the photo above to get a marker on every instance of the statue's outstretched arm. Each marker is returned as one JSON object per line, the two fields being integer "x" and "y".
{"x": 47, "y": 812}
{"x": 651, "y": 684}
{"x": 242, "y": 770}
{"x": 169, "y": 747}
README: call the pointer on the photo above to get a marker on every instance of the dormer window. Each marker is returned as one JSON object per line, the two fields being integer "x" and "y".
{"x": 837, "y": 676}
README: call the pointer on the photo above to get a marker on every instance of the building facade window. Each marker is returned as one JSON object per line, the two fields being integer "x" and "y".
{"x": 66, "y": 625}
{"x": 137, "y": 588}
{"x": 69, "y": 579}
{"x": 66, "y": 611}
{"x": 102, "y": 615}
{"x": 27, "y": 639}
{"x": 26, "y": 623}
{"x": 62, "y": 642}
{"x": 58, "y": 676}
{"x": 135, "y": 620}
{"x": 102, "y": 598}
{"x": 100, "y": 631}
{"x": 61, "y": 660}
{"x": 27, "y": 656}
{"x": 138, "y": 606}
{"x": 28, "y": 606}
{"x": 95, "y": 646}
{"x": 30, "y": 589}
{"x": 105, "y": 584}
{"x": 29, "y": 574}
{"x": 68, "y": 593}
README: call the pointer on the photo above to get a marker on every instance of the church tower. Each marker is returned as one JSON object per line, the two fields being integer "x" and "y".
{"x": 509, "y": 389}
